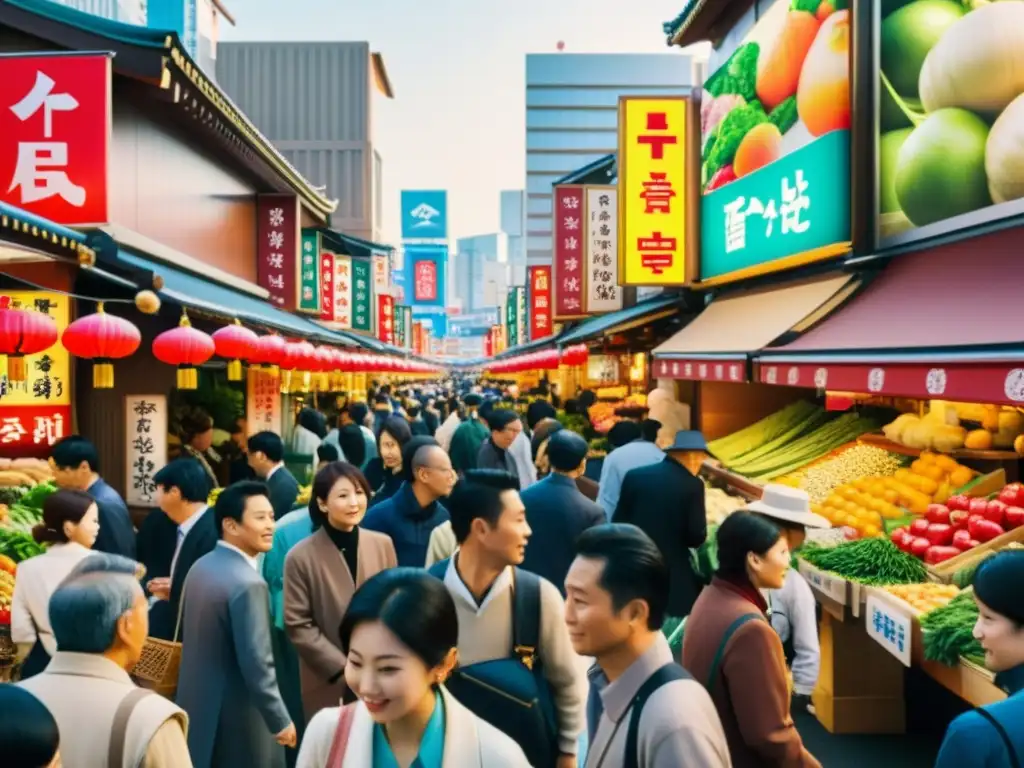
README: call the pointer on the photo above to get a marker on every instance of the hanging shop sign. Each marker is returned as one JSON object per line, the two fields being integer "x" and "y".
{"x": 489, "y": 343}
{"x": 522, "y": 314}
{"x": 950, "y": 115}
{"x": 381, "y": 273}
{"x": 418, "y": 337}
{"x": 36, "y": 413}
{"x": 601, "y": 249}
{"x": 386, "y": 318}
{"x": 263, "y": 402}
{"x": 145, "y": 418}
{"x": 343, "y": 290}
{"x": 309, "y": 274}
{"x": 401, "y": 336}
{"x": 327, "y": 286}
{"x": 654, "y": 190}
{"x": 539, "y": 285}
{"x": 55, "y": 117}
{"x": 425, "y": 280}
{"x": 277, "y": 247}
{"x": 407, "y": 325}
{"x": 362, "y": 296}
{"x": 569, "y": 273}
{"x": 700, "y": 370}
{"x": 775, "y": 174}
{"x": 512, "y": 318}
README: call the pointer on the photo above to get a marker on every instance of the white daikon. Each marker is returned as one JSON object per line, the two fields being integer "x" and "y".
{"x": 1004, "y": 154}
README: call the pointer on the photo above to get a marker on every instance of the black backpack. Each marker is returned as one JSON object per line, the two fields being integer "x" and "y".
{"x": 512, "y": 694}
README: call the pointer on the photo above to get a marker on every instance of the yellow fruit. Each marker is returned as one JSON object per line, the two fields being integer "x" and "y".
{"x": 978, "y": 440}
{"x": 871, "y": 531}
{"x": 946, "y": 463}
{"x": 960, "y": 477}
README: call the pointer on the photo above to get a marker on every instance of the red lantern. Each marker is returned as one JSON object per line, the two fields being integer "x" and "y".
{"x": 23, "y": 332}
{"x": 185, "y": 347}
{"x": 236, "y": 343}
{"x": 101, "y": 338}
{"x": 269, "y": 352}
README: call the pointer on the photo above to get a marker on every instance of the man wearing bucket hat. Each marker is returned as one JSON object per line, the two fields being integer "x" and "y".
{"x": 793, "y": 609}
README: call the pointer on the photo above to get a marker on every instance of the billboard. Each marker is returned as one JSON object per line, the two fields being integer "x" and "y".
{"x": 431, "y": 320}
{"x": 950, "y": 117}
{"x": 775, "y": 145}
{"x": 477, "y": 323}
{"x": 424, "y": 214}
{"x": 426, "y": 275}
{"x": 653, "y": 190}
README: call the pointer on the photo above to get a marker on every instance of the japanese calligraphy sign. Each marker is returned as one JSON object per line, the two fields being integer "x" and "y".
{"x": 601, "y": 249}
{"x": 48, "y": 382}
{"x": 889, "y": 626}
{"x": 28, "y": 431}
{"x": 145, "y": 419}
{"x": 343, "y": 290}
{"x": 309, "y": 274}
{"x": 55, "y": 117}
{"x": 425, "y": 280}
{"x": 539, "y": 283}
{"x": 512, "y": 318}
{"x": 401, "y": 333}
{"x": 362, "y": 296}
{"x": 381, "y": 273}
{"x": 569, "y": 274}
{"x": 327, "y": 286}
{"x": 386, "y": 318}
{"x": 263, "y": 402}
{"x": 277, "y": 247}
{"x": 654, "y": 190}
{"x": 775, "y": 167}
{"x": 522, "y": 314}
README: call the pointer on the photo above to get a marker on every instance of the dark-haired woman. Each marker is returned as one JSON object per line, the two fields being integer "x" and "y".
{"x": 384, "y": 473}
{"x": 730, "y": 647}
{"x": 400, "y": 636}
{"x": 993, "y": 736}
{"x": 320, "y": 575}
{"x": 197, "y": 442}
{"x": 70, "y": 526}
{"x": 29, "y": 737}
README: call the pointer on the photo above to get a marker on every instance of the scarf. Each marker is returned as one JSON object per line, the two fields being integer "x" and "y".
{"x": 741, "y": 586}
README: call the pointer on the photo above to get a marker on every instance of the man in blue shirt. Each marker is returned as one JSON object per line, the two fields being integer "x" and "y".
{"x": 639, "y": 453}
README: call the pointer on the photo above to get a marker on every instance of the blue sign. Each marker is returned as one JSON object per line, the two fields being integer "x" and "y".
{"x": 424, "y": 214}
{"x": 434, "y": 320}
{"x": 426, "y": 276}
{"x": 179, "y": 16}
{"x": 473, "y": 323}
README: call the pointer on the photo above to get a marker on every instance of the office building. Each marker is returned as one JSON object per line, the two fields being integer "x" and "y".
{"x": 482, "y": 271}
{"x": 572, "y": 118}
{"x": 127, "y": 11}
{"x": 513, "y": 224}
{"x": 315, "y": 102}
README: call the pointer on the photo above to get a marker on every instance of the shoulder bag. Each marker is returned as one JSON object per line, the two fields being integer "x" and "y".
{"x": 119, "y": 730}
{"x": 339, "y": 744}
{"x": 716, "y": 662}
{"x": 158, "y": 666}
{"x": 512, "y": 693}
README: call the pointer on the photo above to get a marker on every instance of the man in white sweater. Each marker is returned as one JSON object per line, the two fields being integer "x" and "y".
{"x": 489, "y": 522}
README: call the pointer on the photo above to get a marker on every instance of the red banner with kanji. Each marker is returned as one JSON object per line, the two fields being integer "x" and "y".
{"x": 277, "y": 247}
{"x": 539, "y": 284}
{"x": 327, "y": 287}
{"x": 55, "y": 118}
{"x": 386, "y": 318}
{"x": 569, "y": 273}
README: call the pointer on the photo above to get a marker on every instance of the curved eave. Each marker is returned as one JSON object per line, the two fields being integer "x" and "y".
{"x": 31, "y": 231}
{"x": 704, "y": 20}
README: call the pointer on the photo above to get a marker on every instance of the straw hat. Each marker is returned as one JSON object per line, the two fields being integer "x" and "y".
{"x": 790, "y": 504}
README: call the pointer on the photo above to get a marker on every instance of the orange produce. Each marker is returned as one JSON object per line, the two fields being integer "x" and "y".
{"x": 781, "y": 60}
{"x": 762, "y": 145}
{"x": 823, "y": 95}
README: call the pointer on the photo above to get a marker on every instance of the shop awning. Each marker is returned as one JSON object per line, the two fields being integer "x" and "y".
{"x": 26, "y": 230}
{"x": 348, "y": 245}
{"x": 194, "y": 292}
{"x": 944, "y": 323}
{"x": 616, "y": 322}
{"x": 718, "y": 343}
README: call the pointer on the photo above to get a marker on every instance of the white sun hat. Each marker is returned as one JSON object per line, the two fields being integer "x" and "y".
{"x": 790, "y": 504}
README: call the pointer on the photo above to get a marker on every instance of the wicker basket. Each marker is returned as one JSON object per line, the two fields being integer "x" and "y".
{"x": 158, "y": 667}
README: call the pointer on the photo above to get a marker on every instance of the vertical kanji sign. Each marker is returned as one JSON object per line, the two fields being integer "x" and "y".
{"x": 386, "y": 318}
{"x": 539, "y": 283}
{"x": 512, "y": 318}
{"x": 362, "y": 296}
{"x": 401, "y": 332}
{"x": 602, "y": 250}
{"x": 145, "y": 418}
{"x": 569, "y": 273}
{"x": 343, "y": 290}
{"x": 263, "y": 402}
{"x": 425, "y": 280}
{"x": 309, "y": 274}
{"x": 327, "y": 286}
{"x": 55, "y": 118}
{"x": 653, "y": 190}
{"x": 277, "y": 247}
{"x": 489, "y": 343}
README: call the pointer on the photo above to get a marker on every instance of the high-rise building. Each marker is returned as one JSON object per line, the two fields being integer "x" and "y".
{"x": 483, "y": 271}
{"x": 128, "y": 11}
{"x": 513, "y": 224}
{"x": 572, "y": 118}
{"x": 314, "y": 101}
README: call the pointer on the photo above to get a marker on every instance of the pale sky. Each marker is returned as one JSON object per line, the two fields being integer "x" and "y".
{"x": 457, "y": 69}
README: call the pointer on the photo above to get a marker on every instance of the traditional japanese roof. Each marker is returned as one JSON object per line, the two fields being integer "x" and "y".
{"x": 158, "y": 58}
{"x": 702, "y": 20}
{"x": 602, "y": 171}
{"x": 31, "y": 231}
{"x": 349, "y": 245}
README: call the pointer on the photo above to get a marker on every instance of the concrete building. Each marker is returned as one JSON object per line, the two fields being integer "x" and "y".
{"x": 482, "y": 271}
{"x": 513, "y": 224}
{"x": 315, "y": 102}
{"x": 572, "y": 118}
{"x": 128, "y": 11}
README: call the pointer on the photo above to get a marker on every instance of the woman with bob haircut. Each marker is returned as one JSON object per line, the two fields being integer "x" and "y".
{"x": 320, "y": 575}
{"x": 70, "y": 526}
{"x": 993, "y": 735}
{"x": 29, "y": 737}
{"x": 730, "y": 647}
{"x": 384, "y": 472}
{"x": 400, "y": 636}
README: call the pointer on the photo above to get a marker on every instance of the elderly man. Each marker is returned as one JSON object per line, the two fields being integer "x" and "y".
{"x": 100, "y": 620}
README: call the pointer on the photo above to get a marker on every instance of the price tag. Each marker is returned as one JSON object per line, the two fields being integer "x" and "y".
{"x": 889, "y": 627}
{"x": 832, "y": 587}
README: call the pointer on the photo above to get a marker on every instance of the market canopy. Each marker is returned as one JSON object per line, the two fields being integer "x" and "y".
{"x": 349, "y": 245}
{"x": 946, "y": 323}
{"x": 197, "y": 292}
{"x": 648, "y": 311}
{"x": 735, "y": 326}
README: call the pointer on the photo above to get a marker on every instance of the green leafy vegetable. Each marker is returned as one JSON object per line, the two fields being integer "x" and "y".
{"x": 811, "y": 6}
{"x": 738, "y": 75}
{"x": 784, "y": 116}
{"x": 35, "y": 497}
{"x": 948, "y": 632}
{"x": 868, "y": 561}
{"x": 730, "y": 133}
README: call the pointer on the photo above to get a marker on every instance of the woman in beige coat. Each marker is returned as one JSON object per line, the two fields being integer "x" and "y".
{"x": 400, "y": 635}
{"x": 320, "y": 575}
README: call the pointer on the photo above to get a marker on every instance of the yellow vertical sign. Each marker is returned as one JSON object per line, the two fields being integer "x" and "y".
{"x": 653, "y": 190}
{"x": 49, "y": 372}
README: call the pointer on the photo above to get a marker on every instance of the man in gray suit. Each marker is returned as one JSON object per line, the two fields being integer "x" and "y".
{"x": 227, "y": 683}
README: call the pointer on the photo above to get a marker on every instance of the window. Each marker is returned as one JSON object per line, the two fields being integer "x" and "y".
{"x": 538, "y": 206}
{"x": 593, "y": 119}
{"x": 603, "y": 142}
{"x": 538, "y": 243}
{"x": 540, "y": 183}
{"x": 593, "y": 97}
{"x": 560, "y": 164}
